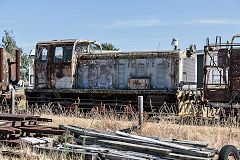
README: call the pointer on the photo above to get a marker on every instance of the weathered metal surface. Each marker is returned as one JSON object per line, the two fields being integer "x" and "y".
{"x": 9, "y": 70}
{"x": 188, "y": 103}
{"x": 1, "y": 64}
{"x": 200, "y": 71}
{"x": 188, "y": 71}
{"x": 17, "y": 125}
{"x": 37, "y": 140}
{"x": 139, "y": 83}
{"x": 103, "y": 91}
{"x": 55, "y": 63}
{"x": 21, "y": 117}
{"x": 113, "y": 73}
{"x": 17, "y": 64}
{"x": 42, "y": 130}
{"x": 75, "y": 64}
{"x": 9, "y": 130}
{"x": 78, "y": 69}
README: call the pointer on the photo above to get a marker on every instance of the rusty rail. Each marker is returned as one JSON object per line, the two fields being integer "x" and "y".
{"x": 14, "y": 126}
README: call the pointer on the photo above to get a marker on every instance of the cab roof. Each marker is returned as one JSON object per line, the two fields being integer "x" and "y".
{"x": 66, "y": 41}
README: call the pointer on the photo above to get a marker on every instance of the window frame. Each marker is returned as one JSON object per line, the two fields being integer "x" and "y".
{"x": 54, "y": 57}
{"x": 63, "y": 54}
{"x": 88, "y": 48}
{"x": 92, "y": 43}
{"x": 39, "y": 54}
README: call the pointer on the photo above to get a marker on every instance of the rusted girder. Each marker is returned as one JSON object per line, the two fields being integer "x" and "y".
{"x": 17, "y": 67}
{"x": 1, "y": 64}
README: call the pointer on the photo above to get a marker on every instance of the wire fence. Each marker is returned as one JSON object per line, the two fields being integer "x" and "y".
{"x": 124, "y": 110}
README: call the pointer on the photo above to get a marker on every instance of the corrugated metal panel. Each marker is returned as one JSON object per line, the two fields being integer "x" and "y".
{"x": 188, "y": 69}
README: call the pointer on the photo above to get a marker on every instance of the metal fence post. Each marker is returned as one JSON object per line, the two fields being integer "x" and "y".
{"x": 140, "y": 110}
{"x": 12, "y": 110}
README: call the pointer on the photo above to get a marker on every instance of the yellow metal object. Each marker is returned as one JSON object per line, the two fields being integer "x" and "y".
{"x": 20, "y": 98}
{"x": 189, "y": 103}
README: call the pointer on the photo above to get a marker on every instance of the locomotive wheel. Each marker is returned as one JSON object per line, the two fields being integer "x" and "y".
{"x": 229, "y": 152}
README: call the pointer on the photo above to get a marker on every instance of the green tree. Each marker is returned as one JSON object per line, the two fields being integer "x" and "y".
{"x": 25, "y": 62}
{"x": 9, "y": 44}
{"x": 109, "y": 46}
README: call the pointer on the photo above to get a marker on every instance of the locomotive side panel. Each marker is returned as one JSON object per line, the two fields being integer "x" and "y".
{"x": 153, "y": 73}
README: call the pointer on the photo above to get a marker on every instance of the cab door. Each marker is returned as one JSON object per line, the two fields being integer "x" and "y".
{"x": 61, "y": 69}
{"x": 41, "y": 66}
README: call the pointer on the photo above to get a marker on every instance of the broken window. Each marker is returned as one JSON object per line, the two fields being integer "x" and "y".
{"x": 94, "y": 48}
{"x": 58, "y": 54}
{"x": 42, "y": 53}
{"x": 68, "y": 53}
{"x": 63, "y": 54}
{"x": 81, "y": 47}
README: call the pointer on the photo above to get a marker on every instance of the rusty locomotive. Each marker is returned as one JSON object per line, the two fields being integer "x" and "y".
{"x": 79, "y": 73}
{"x": 79, "y": 69}
{"x": 9, "y": 76}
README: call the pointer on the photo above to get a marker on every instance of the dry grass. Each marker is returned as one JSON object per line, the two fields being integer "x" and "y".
{"x": 216, "y": 136}
{"x": 23, "y": 153}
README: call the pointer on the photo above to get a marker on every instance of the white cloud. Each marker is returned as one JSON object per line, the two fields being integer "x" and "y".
{"x": 134, "y": 23}
{"x": 137, "y": 23}
{"x": 217, "y": 21}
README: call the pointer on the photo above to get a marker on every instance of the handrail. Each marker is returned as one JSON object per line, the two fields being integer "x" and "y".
{"x": 236, "y": 36}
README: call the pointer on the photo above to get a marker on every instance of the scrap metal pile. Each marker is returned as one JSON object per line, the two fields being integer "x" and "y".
{"x": 15, "y": 126}
{"x": 94, "y": 144}
{"x": 91, "y": 144}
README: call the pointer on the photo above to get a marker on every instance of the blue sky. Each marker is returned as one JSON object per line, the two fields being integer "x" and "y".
{"x": 128, "y": 24}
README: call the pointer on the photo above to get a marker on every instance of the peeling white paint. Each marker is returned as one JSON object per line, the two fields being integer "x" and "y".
{"x": 64, "y": 82}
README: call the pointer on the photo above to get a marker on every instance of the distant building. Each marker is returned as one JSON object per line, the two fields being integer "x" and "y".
{"x": 31, "y": 69}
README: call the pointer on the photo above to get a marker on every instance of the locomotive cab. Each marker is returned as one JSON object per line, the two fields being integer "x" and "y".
{"x": 55, "y": 61}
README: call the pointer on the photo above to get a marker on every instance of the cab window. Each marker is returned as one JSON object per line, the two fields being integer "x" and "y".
{"x": 63, "y": 54}
{"x": 58, "y": 54}
{"x": 42, "y": 53}
{"x": 81, "y": 47}
{"x": 94, "y": 48}
{"x": 68, "y": 53}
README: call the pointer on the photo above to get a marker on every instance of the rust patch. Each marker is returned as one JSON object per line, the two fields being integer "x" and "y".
{"x": 139, "y": 83}
{"x": 8, "y": 69}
